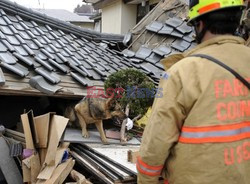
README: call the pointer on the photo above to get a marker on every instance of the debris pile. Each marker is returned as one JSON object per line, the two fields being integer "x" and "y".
{"x": 102, "y": 167}
{"x": 44, "y": 159}
{"x": 48, "y": 152}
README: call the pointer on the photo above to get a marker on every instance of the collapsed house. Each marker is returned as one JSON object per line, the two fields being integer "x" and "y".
{"x": 45, "y": 62}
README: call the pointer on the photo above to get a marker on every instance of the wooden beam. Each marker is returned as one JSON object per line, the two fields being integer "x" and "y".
{"x": 103, "y": 3}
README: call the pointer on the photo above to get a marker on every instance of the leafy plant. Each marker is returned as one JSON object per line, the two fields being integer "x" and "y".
{"x": 138, "y": 90}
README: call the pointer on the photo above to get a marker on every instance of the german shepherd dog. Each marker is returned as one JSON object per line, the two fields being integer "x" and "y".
{"x": 94, "y": 110}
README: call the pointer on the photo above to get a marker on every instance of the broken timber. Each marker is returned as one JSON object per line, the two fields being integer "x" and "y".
{"x": 106, "y": 170}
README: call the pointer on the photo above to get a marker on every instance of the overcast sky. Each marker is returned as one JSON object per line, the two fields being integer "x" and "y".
{"x": 50, "y": 4}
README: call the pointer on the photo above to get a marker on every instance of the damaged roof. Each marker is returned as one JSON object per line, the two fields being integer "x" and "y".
{"x": 161, "y": 33}
{"x": 40, "y": 55}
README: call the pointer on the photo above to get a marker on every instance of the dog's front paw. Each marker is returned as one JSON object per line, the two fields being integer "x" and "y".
{"x": 85, "y": 134}
{"x": 105, "y": 141}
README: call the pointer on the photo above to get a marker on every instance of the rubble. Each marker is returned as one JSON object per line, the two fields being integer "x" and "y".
{"x": 46, "y": 154}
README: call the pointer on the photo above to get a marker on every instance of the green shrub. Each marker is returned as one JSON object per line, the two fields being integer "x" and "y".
{"x": 138, "y": 100}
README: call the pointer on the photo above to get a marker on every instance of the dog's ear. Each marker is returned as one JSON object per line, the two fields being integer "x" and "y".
{"x": 110, "y": 102}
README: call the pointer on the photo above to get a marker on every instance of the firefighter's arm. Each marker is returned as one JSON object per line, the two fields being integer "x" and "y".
{"x": 162, "y": 130}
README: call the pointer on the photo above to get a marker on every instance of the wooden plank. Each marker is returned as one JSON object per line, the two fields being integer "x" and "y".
{"x": 132, "y": 156}
{"x": 27, "y": 132}
{"x": 42, "y": 128}
{"x": 57, "y": 127}
{"x": 84, "y": 162}
{"x": 26, "y": 170}
{"x": 35, "y": 167}
{"x": 47, "y": 172}
{"x": 79, "y": 178}
{"x": 20, "y": 92}
{"x": 60, "y": 174}
{"x": 42, "y": 154}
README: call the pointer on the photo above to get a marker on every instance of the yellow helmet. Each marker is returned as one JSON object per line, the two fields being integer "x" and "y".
{"x": 201, "y": 7}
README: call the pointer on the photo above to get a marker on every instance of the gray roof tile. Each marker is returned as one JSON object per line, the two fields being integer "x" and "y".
{"x": 2, "y": 22}
{"x": 162, "y": 50}
{"x": 81, "y": 79}
{"x": 154, "y": 58}
{"x": 128, "y": 53}
{"x": 41, "y": 85}
{"x": 78, "y": 69}
{"x": 7, "y": 57}
{"x": 35, "y": 32}
{"x": 12, "y": 40}
{"x": 154, "y": 26}
{"x": 13, "y": 69}
{"x": 44, "y": 64}
{"x": 166, "y": 30}
{"x": 6, "y": 30}
{"x": 181, "y": 45}
{"x": 176, "y": 34}
{"x": 7, "y": 20}
{"x": 2, "y": 78}
{"x": 174, "y": 22}
{"x": 24, "y": 25}
{"x": 19, "y": 38}
{"x": 8, "y": 45}
{"x": 42, "y": 56}
{"x": 31, "y": 52}
{"x": 17, "y": 26}
{"x": 47, "y": 54}
{"x": 48, "y": 75}
{"x": 22, "y": 68}
{"x": 13, "y": 29}
{"x": 136, "y": 60}
{"x": 61, "y": 67}
{"x": 23, "y": 59}
{"x": 24, "y": 35}
{"x": 61, "y": 57}
{"x": 38, "y": 43}
{"x": 12, "y": 18}
{"x": 94, "y": 74}
{"x": 32, "y": 45}
{"x": 2, "y": 48}
{"x": 143, "y": 52}
{"x": 31, "y": 35}
{"x": 190, "y": 37}
{"x": 184, "y": 28}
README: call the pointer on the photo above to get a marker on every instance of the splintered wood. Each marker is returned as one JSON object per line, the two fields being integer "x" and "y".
{"x": 46, "y": 160}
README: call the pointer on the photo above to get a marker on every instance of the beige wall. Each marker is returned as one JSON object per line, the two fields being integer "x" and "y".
{"x": 128, "y": 17}
{"x": 111, "y": 18}
{"x": 118, "y": 17}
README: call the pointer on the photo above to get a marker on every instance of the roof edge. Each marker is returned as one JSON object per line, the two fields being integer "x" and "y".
{"x": 28, "y": 13}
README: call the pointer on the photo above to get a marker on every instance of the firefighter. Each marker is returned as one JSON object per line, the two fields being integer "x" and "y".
{"x": 199, "y": 131}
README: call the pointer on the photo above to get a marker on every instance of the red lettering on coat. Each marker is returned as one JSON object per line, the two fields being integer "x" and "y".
{"x": 217, "y": 88}
{"x": 227, "y": 90}
{"x": 220, "y": 107}
{"x": 229, "y": 157}
{"x": 246, "y": 152}
{"x": 239, "y": 154}
{"x": 231, "y": 110}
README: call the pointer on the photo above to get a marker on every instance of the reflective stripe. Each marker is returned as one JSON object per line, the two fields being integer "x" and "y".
{"x": 216, "y": 127}
{"x": 146, "y": 169}
{"x": 213, "y": 134}
{"x": 209, "y": 8}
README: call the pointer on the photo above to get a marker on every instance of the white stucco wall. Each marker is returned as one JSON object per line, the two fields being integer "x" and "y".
{"x": 118, "y": 17}
{"x": 128, "y": 18}
{"x": 111, "y": 18}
